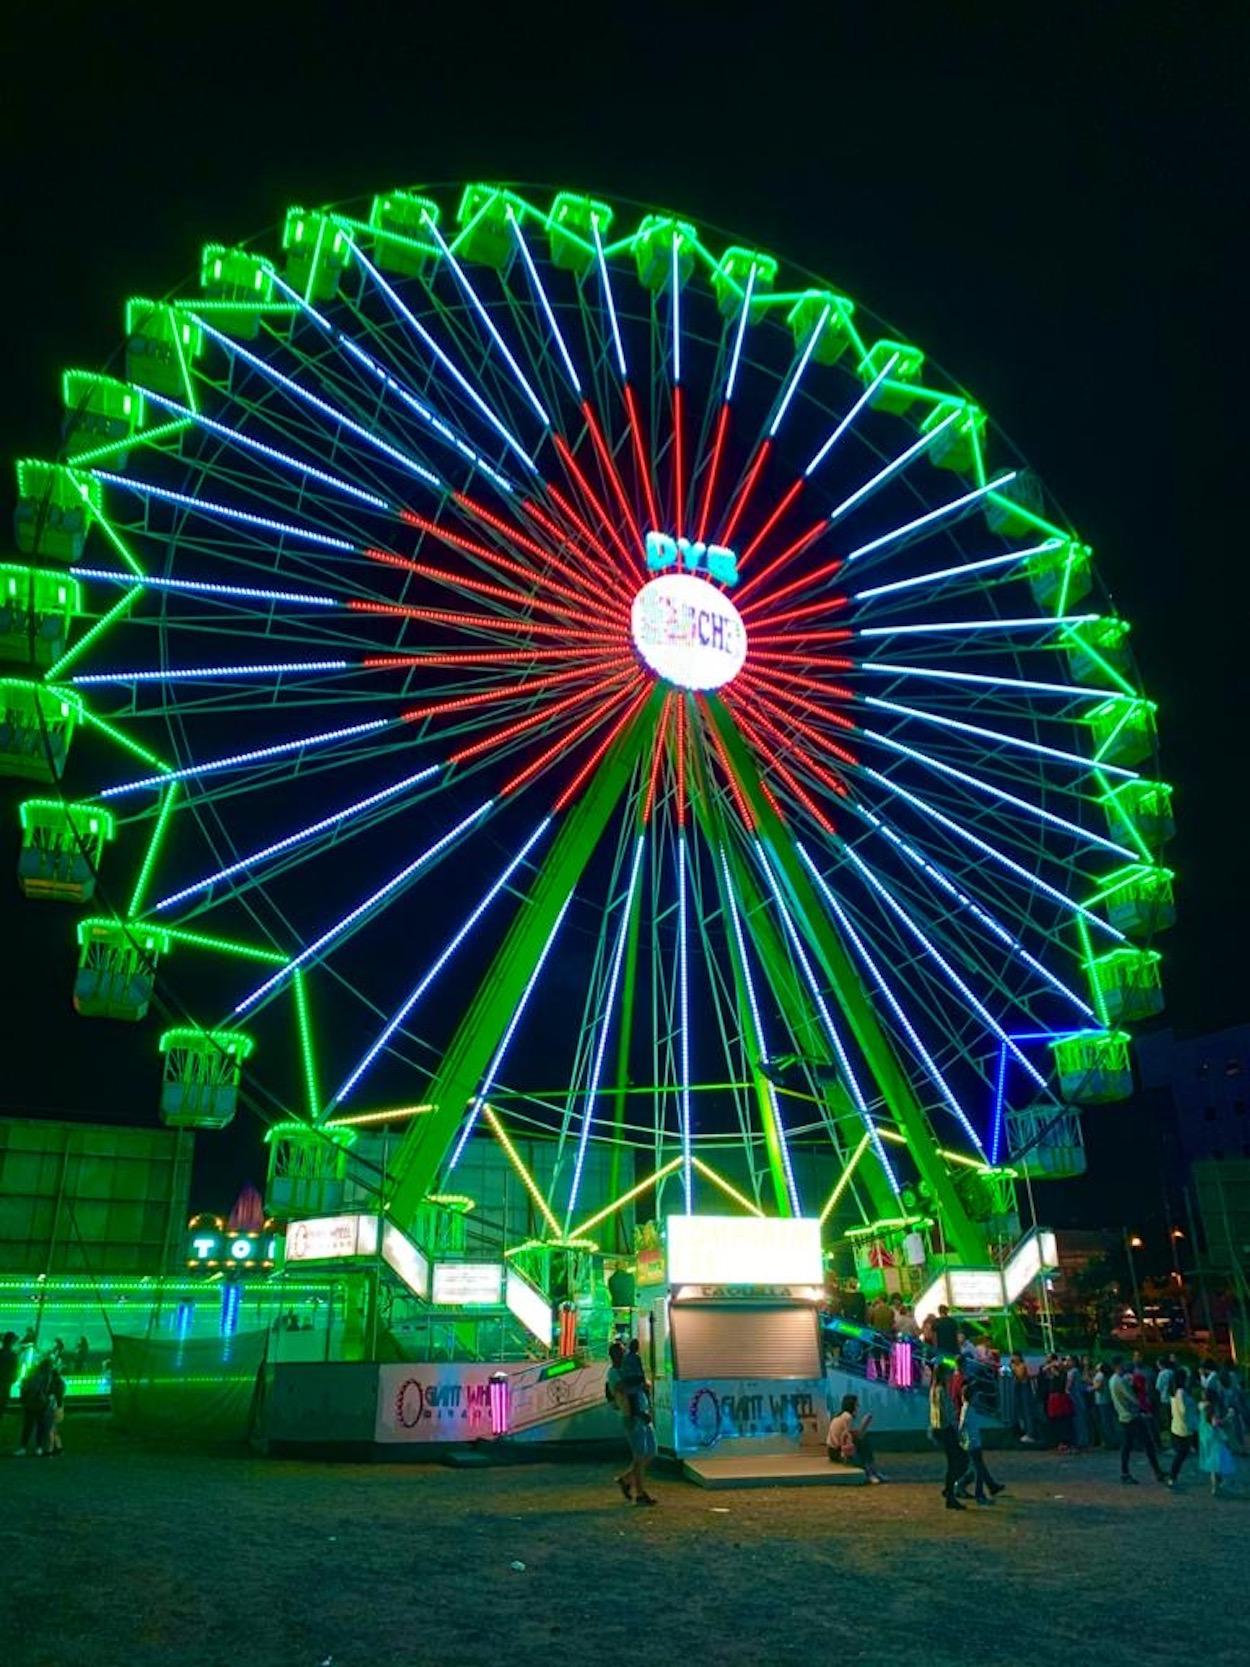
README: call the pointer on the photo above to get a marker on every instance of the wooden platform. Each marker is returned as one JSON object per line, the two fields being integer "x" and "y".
{"x": 772, "y": 1470}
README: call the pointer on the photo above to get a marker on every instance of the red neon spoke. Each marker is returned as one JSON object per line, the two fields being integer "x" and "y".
{"x": 742, "y": 707}
{"x": 595, "y": 758}
{"x": 580, "y": 595}
{"x": 486, "y": 622}
{"x": 608, "y": 464}
{"x": 835, "y": 662}
{"x": 827, "y": 605}
{"x": 572, "y": 467}
{"x": 523, "y": 725}
{"x": 605, "y": 578}
{"x": 709, "y": 484}
{"x": 784, "y": 774}
{"x": 748, "y": 486}
{"x": 508, "y": 691}
{"x": 657, "y": 756}
{"x": 800, "y": 544}
{"x": 804, "y": 583}
{"x": 783, "y": 505}
{"x": 806, "y": 729}
{"x": 611, "y": 566}
{"x": 640, "y": 456}
{"x": 559, "y": 747}
{"x": 483, "y": 587}
{"x": 785, "y": 688}
{"x": 679, "y": 463}
{"x": 735, "y": 788}
{"x": 486, "y": 657}
{"x": 587, "y": 583}
{"x": 840, "y": 635}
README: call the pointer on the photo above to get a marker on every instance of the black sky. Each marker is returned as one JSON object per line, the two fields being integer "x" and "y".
{"x": 1049, "y": 199}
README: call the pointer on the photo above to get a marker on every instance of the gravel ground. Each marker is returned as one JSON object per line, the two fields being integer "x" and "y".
{"x": 118, "y": 1553}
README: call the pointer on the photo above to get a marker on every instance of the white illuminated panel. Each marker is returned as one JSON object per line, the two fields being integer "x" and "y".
{"x": 461, "y": 1284}
{"x": 688, "y": 632}
{"x": 975, "y": 1287}
{"x": 326, "y": 1238}
{"x": 1033, "y": 1255}
{"x": 743, "y": 1250}
{"x": 403, "y": 1257}
{"x": 530, "y": 1306}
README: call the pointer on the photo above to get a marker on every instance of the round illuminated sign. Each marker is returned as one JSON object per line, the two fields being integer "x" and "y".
{"x": 688, "y": 632}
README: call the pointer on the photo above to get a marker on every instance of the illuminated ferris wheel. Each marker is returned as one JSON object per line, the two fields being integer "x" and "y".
{"x": 512, "y": 658}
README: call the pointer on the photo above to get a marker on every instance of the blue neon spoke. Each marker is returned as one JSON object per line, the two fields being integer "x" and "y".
{"x": 736, "y": 356}
{"x": 960, "y": 571}
{"x": 942, "y": 510}
{"x": 237, "y": 760}
{"x": 198, "y": 674}
{"x": 144, "y": 489}
{"x": 348, "y": 920}
{"x": 891, "y": 469}
{"x": 986, "y": 680}
{"x": 998, "y": 737}
{"x": 676, "y": 308}
{"x": 864, "y": 398}
{"x": 353, "y": 1077}
{"x": 200, "y": 587}
{"x": 793, "y": 384}
{"x": 541, "y": 292}
{"x": 936, "y": 627}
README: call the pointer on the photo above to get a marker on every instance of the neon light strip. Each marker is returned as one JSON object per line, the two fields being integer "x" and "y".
{"x": 335, "y": 818}
{"x": 192, "y": 674}
{"x": 493, "y": 1069}
{"x": 1080, "y": 834}
{"x": 592, "y": 1091}
{"x": 676, "y": 310}
{"x": 687, "y": 1177}
{"x": 527, "y": 1180}
{"x": 851, "y": 415}
{"x": 827, "y": 1020}
{"x": 736, "y": 356}
{"x": 607, "y": 296}
{"x": 844, "y": 1180}
{"x": 878, "y": 978}
{"x": 888, "y": 668}
{"x": 1032, "y": 623}
{"x": 791, "y": 1187}
{"x": 989, "y": 850}
{"x": 792, "y": 387}
{"x": 143, "y": 489}
{"x": 998, "y": 736}
{"x": 349, "y": 1082}
{"x": 546, "y": 304}
{"x": 237, "y": 350}
{"x": 341, "y": 926}
{"x": 977, "y": 1006}
{"x": 199, "y": 587}
{"x": 233, "y": 760}
{"x": 999, "y": 1090}
{"x": 932, "y": 515}
{"x": 892, "y": 468}
{"x": 958, "y": 572}
{"x": 249, "y": 444}
{"x": 625, "y": 1198}
{"x": 482, "y": 312}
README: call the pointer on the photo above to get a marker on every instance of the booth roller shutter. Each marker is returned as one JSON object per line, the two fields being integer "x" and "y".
{"x": 744, "y": 1342}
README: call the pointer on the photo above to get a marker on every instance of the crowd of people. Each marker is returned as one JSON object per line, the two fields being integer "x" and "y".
{"x": 40, "y": 1381}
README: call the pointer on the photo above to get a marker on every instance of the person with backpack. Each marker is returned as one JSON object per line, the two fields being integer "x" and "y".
{"x": 38, "y": 1399}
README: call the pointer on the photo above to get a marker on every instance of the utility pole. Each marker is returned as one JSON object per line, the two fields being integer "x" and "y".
{"x": 1133, "y": 1242}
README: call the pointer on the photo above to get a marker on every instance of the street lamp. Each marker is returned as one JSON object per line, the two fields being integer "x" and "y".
{"x": 1134, "y": 1242}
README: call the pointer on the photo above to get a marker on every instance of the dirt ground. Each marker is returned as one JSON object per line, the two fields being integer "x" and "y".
{"x": 120, "y": 1554}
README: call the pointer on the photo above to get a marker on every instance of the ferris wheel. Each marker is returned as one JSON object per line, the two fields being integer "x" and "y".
{"x": 514, "y": 660}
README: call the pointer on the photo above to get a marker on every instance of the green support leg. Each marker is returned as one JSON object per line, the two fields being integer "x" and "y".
{"x": 425, "y": 1145}
{"x": 623, "y": 1043}
{"x": 964, "y": 1233}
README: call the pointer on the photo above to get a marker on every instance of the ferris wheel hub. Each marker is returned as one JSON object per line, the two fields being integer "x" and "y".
{"x": 688, "y": 632}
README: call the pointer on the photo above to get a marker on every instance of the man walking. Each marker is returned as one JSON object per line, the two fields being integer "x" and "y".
{"x": 1135, "y": 1430}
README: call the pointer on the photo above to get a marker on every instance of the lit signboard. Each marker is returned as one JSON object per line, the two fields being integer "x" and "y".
{"x": 331, "y": 1238}
{"x": 688, "y": 632}
{"x": 209, "y": 1246}
{"x": 743, "y": 1250}
{"x": 1037, "y": 1253}
{"x": 975, "y": 1288}
{"x": 466, "y": 1284}
{"x": 530, "y": 1306}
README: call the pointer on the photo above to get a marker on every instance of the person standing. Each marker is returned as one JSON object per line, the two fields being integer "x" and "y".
{"x": 946, "y": 1332}
{"x": 634, "y": 1400}
{"x": 1215, "y": 1458}
{"x": 1163, "y": 1395}
{"x": 1183, "y": 1416}
{"x": 944, "y": 1434}
{"x": 1135, "y": 1430}
{"x": 10, "y": 1361}
{"x": 971, "y": 1426}
{"x": 37, "y": 1407}
{"x": 612, "y": 1390}
{"x": 1104, "y": 1412}
{"x": 1076, "y": 1389}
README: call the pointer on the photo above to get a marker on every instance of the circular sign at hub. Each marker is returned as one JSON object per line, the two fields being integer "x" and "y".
{"x": 688, "y": 632}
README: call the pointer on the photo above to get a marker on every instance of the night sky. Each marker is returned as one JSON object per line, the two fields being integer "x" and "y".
{"x": 1053, "y": 210}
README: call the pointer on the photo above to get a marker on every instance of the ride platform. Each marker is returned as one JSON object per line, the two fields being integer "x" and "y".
{"x": 801, "y": 1469}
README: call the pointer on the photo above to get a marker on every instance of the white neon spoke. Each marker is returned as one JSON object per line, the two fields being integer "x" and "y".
{"x": 1030, "y": 879}
{"x": 769, "y": 1087}
{"x": 1081, "y": 835}
{"x": 258, "y": 755}
{"x": 846, "y": 422}
{"x": 605, "y": 1025}
{"x": 938, "y": 627}
{"x": 493, "y": 1068}
{"x": 607, "y": 296}
{"x": 985, "y": 680}
{"x": 199, "y": 587}
{"x": 961, "y": 571}
{"x": 361, "y": 910}
{"x": 891, "y": 469}
{"x": 930, "y": 517}
{"x": 736, "y": 355}
{"x": 415, "y": 994}
{"x": 200, "y": 674}
{"x": 145, "y": 489}
{"x": 999, "y": 738}
{"x": 892, "y": 1002}
{"x": 796, "y": 378}
{"x": 483, "y": 313}
{"x": 541, "y": 292}
{"x": 956, "y": 982}
{"x": 336, "y": 819}
{"x": 676, "y": 285}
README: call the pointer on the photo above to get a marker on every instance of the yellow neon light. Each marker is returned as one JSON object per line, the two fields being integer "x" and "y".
{"x": 729, "y": 1191}
{"x": 527, "y": 1180}
{"x": 362, "y": 1117}
{"x": 843, "y": 1180}
{"x": 643, "y": 1186}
